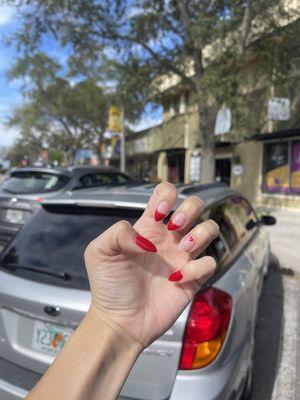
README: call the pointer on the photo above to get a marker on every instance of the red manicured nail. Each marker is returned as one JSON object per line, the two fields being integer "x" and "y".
{"x": 172, "y": 227}
{"x": 176, "y": 276}
{"x": 162, "y": 210}
{"x": 145, "y": 243}
{"x": 178, "y": 220}
{"x": 159, "y": 216}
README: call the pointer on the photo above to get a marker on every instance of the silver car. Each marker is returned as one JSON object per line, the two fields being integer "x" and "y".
{"x": 44, "y": 293}
{"x": 24, "y": 188}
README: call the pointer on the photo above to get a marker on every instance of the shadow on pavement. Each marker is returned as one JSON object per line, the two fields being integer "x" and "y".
{"x": 268, "y": 333}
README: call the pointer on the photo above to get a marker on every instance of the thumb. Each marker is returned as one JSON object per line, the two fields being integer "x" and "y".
{"x": 120, "y": 238}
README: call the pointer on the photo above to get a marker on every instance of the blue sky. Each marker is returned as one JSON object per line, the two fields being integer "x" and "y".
{"x": 10, "y": 94}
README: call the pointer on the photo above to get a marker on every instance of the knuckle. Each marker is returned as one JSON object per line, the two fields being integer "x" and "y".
{"x": 197, "y": 200}
{"x": 90, "y": 249}
{"x": 122, "y": 225}
{"x": 210, "y": 260}
{"x": 165, "y": 189}
{"x": 194, "y": 204}
{"x": 214, "y": 227}
{"x": 207, "y": 231}
{"x": 192, "y": 269}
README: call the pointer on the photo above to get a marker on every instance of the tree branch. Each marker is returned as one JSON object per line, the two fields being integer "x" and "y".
{"x": 196, "y": 47}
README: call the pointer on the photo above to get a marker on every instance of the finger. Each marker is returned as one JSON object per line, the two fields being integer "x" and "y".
{"x": 119, "y": 238}
{"x": 196, "y": 270}
{"x": 161, "y": 201}
{"x": 186, "y": 214}
{"x": 196, "y": 241}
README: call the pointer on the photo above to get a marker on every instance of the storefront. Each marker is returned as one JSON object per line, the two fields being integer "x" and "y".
{"x": 143, "y": 167}
{"x": 281, "y": 167}
{"x": 271, "y": 169}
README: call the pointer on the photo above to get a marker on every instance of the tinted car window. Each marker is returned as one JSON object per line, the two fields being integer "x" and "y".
{"x": 236, "y": 219}
{"x": 103, "y": 178}
{"x": 218, "y": 251}
{"x": 23, "y": 182}
{"x": 53, "y": 236}
{"x": 122, "y": 179}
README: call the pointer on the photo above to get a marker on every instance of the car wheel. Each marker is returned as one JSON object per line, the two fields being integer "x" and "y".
{"x": 247, "y": 393}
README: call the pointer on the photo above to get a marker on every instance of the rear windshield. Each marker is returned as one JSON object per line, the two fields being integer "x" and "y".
{"x": 104, "y": 178}
{"x": 54, "y": 241}
{"x": 33, "y": 182}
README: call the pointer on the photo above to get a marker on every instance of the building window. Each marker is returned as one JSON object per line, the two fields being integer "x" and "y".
{"x": 171, "y": 110}
{"x": 182, "y": 103}
{"x": 282, "y": 167}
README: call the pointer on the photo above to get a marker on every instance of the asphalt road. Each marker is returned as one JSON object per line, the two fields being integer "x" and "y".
{"x": 277, "y": 351}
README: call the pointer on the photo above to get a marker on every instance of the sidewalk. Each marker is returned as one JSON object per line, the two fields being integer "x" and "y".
{"x": 277, "y": 355}
{"x": 285, "y": 238}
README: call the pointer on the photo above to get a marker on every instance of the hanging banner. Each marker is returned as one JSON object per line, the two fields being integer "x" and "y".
{"x": 223, "y": 121}
{"x": 115, "y": 119}
{"x": 195, "y": 168}
{"x": 295, "y": 167}
{"x": 279, "y": 109}
{"x": 276, "y": 177}
{"x": 115, "y": 145}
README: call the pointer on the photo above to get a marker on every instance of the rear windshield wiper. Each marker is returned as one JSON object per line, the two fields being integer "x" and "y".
{"x": 57, "y": 274}
{"x": 8, "y": 191}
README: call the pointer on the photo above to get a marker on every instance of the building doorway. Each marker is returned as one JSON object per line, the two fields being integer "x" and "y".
{"x": 176, "y": 167}
{"x": 223, "y": 170}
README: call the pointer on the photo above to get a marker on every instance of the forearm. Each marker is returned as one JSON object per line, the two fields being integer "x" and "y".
{"x": 93, "y": 365}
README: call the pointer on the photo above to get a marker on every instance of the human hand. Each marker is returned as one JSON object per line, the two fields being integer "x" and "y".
{"x": 129, "y": 275}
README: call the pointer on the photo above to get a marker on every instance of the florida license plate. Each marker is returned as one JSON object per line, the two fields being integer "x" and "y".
{"x": 49, "y": 338}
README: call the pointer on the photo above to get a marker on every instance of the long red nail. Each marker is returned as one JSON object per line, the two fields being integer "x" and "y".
{"x": 159, "y": 216}
{"x": 172, "y": 227}
{"x": 162, "y": 210}
{"x": 145, "y": 243}
{"x": 175, "y": 276}
{"x": 178, "y": 220}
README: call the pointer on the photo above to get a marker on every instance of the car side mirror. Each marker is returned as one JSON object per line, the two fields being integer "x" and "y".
{"x": 267, "y": 220}
{"x": 250, "y": 224}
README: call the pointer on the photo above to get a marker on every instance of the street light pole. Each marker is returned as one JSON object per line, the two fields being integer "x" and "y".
{"x": 122, "y": 149}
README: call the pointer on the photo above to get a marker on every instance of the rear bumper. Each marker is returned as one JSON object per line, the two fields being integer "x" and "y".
{"x": 11, "y": 392}
{"x": 15, "y": 381}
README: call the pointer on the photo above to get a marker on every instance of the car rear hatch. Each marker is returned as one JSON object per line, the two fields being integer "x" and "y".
{"x": 44, "y": 294}
{"x": 34, "y": 181}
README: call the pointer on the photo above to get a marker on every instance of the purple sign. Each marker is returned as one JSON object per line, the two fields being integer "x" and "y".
{"x": 295, "y": 167}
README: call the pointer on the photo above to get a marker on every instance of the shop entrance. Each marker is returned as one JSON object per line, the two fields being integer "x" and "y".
{"x": 176, "y": 167}
{"x": 223, "y": 170}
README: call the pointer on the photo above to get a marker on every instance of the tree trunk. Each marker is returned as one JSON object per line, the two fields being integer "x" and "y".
{"x": 207, "y": 141}
{"x": 100, "y": 141}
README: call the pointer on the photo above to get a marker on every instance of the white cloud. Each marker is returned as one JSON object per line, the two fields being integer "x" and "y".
{"x": 7, "y": 14}
{"x": 7, "y": 135}
{"x": 146, "y": 123}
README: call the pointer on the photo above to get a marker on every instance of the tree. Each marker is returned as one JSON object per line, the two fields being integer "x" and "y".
{"x": 206, "y": 44}
{"x": 57, "y": 113}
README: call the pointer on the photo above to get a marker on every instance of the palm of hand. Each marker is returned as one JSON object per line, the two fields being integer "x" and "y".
{"x": 134, "y": 289}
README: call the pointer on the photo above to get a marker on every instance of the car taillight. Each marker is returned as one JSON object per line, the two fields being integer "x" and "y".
{"x": 205, "y": 329}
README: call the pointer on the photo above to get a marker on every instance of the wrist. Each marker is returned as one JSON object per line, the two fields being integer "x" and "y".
{"x": 117, "y": 335}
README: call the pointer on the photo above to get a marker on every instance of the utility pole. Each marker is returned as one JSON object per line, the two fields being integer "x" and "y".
{"x": 122, "y": 143}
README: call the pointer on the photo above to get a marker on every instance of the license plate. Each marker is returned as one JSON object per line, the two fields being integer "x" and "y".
{"x": 49, "y": 338}
{"x": 15, "y": 216}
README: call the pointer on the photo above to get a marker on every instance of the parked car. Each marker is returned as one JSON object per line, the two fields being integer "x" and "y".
{"x": 44, "y": 293}
{"x": 23, "y": 189}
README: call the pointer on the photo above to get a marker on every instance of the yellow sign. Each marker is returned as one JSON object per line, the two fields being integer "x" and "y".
{"x": 115, "y": 119}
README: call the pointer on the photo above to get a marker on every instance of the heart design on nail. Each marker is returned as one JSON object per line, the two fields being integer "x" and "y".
{"x": 191, "y": 239}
